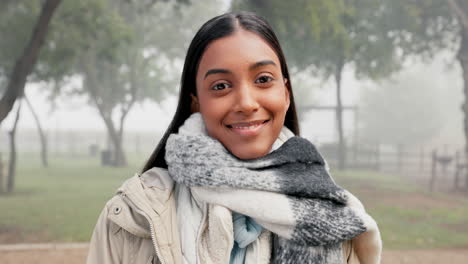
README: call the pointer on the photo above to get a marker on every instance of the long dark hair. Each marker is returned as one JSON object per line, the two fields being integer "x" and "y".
{"x": 216, "y": 28}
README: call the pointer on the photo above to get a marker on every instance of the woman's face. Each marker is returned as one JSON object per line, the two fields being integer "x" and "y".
{"x": 241, "y": 94}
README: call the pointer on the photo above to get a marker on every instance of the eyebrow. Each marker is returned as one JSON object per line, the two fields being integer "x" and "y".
{"x": 251, "y": 67}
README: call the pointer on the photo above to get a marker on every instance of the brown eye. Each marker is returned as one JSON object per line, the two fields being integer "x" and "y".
{"x": 264, "y": 79}
{"x": 220, "y": 86}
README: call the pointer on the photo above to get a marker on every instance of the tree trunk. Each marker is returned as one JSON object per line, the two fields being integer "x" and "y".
{"x": 42, "y": 136}
{"x": 119, "y": 152}
{"x": 120, "y": 160}
{"x": 462, "y": 57}
{"x": 114, "y": 136}
{"x": 339, "y": 118}
{"x": 118, "y": 157}
{"x": 27, "y": 60}
{"x": 12, "y": 163}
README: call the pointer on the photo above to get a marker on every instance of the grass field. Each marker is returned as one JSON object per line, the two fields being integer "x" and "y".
{"x": 408, "y": 215}
{"x": 62, "y": 203}
{"x": 59, "y": 203}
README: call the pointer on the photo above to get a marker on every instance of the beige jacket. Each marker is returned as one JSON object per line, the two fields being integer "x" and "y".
{"x": 138, "y": 225}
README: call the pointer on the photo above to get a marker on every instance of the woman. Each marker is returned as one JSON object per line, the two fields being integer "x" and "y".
{"x": 231, "y": 181}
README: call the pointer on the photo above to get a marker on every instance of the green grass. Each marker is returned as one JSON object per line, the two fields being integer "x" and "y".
{"x": 62, "y": 203}
{"x": 59, "y": 203}
{"x": 407, "y": 214}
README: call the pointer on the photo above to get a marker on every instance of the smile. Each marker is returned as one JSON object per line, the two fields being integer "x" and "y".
{"x": 248, "y": 128}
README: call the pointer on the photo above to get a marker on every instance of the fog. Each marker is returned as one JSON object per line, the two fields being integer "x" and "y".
{"x": 443, "y": 74}
{"x": 378, "y": 87}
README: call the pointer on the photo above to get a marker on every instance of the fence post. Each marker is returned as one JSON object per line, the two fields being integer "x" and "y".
{"x": 433, "y": 169}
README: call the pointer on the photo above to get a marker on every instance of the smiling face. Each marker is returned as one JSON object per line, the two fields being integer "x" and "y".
{"x": 241, "y": 94}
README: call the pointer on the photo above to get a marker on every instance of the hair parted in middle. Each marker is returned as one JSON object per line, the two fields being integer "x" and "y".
{"x": 216, "y": 28}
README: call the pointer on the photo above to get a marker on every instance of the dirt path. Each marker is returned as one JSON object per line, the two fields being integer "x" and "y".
{"x": 425, "y": 256}
{"x": 78, "y": 255}
{"x": 43, "y": 256}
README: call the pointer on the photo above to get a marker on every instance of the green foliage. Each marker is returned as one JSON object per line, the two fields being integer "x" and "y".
{"x": 422, "y": 27}
{"x": 330, "y": 34}
{"x": 147, "y": 37}
{"x": 116, "y": 53}
{"x": 374, "y": 36}
{"x": 78, "y": 27}
{"x": 20, "y": 16}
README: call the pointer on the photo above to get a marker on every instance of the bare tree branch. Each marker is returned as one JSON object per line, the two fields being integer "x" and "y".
{"x": 28, "y": 59}
{"x": 12, "y": 161}
{"x": 42, "y": 135}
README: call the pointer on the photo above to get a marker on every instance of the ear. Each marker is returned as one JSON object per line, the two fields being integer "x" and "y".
{"x": 194, "y": 106}
{"x": 286, "y": 93}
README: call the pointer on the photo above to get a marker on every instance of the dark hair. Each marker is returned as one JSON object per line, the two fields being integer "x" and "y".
{"x": 216, "y": 28}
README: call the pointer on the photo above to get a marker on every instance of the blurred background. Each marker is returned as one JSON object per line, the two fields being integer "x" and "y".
{"x": 87, "y": 88}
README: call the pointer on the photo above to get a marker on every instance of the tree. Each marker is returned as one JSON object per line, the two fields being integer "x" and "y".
{"x": 42, "y": 135}
{"x": 16, "y": 76}
{"x": 424, "y": 28}
{"x": 109, "y": 76}
{"x": 114, "y": 47}
{"x": 26, "y": 62}
{"x": 12, "y": 161}
{"x": 133, "y": 60}
{"x": 329, "y": 36}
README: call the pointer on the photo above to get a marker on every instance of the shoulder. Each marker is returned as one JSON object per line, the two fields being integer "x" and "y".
{"x": 153, "y": 178}
{"x": 119, "y": 236}
{"x": 147, "y": 191}
{"x": 118, "y": 215}
{"x": 157, "y": 178}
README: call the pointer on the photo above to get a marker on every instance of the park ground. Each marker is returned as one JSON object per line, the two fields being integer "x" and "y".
{"x": 390, "y": 256}
{"x": 60, "y": 204}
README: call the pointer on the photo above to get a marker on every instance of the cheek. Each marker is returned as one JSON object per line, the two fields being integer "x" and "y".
{"x": 276, "y": 101}
{"x": 213, "y": 113}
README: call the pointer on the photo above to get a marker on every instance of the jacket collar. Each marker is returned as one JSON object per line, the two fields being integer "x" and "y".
{"x": 150, "y": 191}
{"x": 140, "y": 199}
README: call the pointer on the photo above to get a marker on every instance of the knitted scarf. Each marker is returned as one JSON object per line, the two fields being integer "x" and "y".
{"x": 288, "y": 192}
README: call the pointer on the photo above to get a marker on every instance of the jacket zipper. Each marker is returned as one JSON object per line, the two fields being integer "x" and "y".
{"x": 153, "y": 236}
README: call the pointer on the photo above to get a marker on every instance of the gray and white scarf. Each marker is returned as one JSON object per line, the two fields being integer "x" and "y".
{"x": 288, "y": 192}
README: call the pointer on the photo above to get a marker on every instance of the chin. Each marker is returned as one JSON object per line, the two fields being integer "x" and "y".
{"x": 250, "y": 153}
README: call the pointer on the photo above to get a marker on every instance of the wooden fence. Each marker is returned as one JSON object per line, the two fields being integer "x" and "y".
{"x": 439, "y": 168}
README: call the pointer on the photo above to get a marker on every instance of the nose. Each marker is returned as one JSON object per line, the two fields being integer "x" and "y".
{"x": 246, "y": 100}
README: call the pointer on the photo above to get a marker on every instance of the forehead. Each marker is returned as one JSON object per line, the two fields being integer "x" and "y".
{"x": 238, "y": 50}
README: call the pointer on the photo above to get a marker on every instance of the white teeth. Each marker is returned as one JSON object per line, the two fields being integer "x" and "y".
{"x": 245, "y": 127}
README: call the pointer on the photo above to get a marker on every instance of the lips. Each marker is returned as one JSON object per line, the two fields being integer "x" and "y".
{"x": 247, "y": 125}
{"x": 248, "y": 129}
